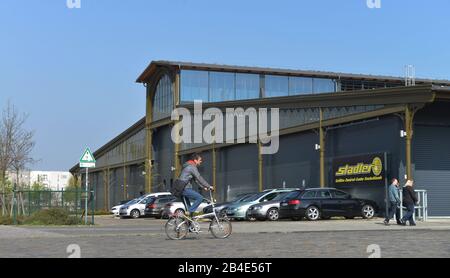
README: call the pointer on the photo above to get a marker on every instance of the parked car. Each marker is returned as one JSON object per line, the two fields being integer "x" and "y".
{"x": 221, "y": 206}
{"x": 178, "y": 207}
{"x": 135, "y": 208}
{"x": 116, "y": 209}
{"x": 155, "y": 205}
{"x": 238, "y": 211}
{"x": 316, "y": 203}
{"x": 267, "y": 210}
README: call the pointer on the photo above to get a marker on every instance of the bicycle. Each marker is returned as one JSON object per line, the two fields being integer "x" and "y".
{"x": 179, "y": 225}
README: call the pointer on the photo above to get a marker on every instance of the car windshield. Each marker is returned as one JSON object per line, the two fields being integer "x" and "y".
{"x": 242, "y": 197}
{"x": 254, "y": 197}
{"x": 132, "y": 202}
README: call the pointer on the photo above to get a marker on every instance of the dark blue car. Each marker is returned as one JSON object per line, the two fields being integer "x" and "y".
{"x": 323, "y": 203}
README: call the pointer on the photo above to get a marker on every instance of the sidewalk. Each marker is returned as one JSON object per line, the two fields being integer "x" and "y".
{"x": 283, "y": 226}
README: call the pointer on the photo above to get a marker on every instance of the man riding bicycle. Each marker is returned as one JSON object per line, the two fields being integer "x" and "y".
{"x": 183, "y": 185}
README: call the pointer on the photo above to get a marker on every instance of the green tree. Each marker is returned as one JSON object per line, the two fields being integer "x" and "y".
{"x": 72, "y": 189}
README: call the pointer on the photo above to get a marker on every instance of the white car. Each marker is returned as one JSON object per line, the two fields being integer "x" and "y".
{"x": 178, "y": 206}
{"x": 116, "y": 209}
{"x": 136, "y": 208}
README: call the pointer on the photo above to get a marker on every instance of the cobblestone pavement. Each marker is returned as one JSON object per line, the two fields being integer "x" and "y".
{"x": 146, "y": 238}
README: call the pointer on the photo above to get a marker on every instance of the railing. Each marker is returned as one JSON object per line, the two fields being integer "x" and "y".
{"x": 26, "y": 202}
{"x": 421, "y": 209}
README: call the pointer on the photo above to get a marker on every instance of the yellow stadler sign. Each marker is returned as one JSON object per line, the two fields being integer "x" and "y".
{"x": 364, "y": 169}
{"x": 377, "y": 166}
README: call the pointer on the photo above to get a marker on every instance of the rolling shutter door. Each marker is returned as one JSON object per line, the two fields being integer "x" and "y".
{"x": 431, "y": 154}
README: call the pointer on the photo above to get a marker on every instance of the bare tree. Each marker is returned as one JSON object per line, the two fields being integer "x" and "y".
{"x": 16, "y": 143}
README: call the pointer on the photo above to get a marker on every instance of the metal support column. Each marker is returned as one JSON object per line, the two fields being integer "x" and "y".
{"x": 176, "y": 102}
{"x": 125, "y": 183}
{"x": 105, "y": 190}
{"x": 260, "y": 168}
{"x": 409, "y": 117}
{"x": 322, "y": 149}
{"x": 214, "y": 168}
{"x": 148, "y": 143}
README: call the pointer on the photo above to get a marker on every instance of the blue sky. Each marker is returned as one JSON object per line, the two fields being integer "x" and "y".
{"x": 73, "y": 70}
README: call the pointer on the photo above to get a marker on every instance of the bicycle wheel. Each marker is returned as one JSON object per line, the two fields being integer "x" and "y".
{"x": 221, "y": 229}
{"x": 176, "y": 228}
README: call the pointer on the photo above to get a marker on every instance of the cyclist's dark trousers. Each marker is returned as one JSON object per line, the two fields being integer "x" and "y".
{"x": 192, "y": 196}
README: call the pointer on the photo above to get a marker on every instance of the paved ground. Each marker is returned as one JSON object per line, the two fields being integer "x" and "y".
{"x": 113, "y": 237}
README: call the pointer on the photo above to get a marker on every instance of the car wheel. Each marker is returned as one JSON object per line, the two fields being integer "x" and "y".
{"x": 272, "y": 214}
{"x": 312, "y": 213}
{"x": 135, "y": 213}
{"x": 368, "y": 211}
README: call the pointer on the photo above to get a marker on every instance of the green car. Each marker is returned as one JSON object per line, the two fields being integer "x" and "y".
{"x": 238, "y": 211}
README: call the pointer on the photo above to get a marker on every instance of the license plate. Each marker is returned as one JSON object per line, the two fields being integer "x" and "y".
{"x": 284, "y": 204}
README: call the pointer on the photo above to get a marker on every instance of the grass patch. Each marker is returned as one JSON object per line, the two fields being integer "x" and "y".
{"x": 54, "y": 216}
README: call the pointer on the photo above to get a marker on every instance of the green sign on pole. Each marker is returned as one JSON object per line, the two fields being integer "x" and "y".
{"x": 87, "y": 161}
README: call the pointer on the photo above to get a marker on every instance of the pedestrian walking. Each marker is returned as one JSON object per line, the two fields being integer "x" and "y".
{"x": 409, "y": 200}
{"x": 394, "y": 202}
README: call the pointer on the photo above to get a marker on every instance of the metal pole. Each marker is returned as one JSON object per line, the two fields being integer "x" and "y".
{"x": 76, "y": 200}
{"x": 92, "y": 205}
{"x": 86, "y": 199}
{"x": 29, "y": 203}
{"x": 14, "y": 208}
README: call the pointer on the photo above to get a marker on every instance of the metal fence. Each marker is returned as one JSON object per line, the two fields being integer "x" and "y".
{"x": 27, "y": 202}
{"x": 421, "y": 208}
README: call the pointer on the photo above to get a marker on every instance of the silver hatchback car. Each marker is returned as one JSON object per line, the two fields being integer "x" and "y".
{"x": 267, "y": 210}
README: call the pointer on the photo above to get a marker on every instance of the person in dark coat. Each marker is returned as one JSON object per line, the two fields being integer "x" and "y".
{"x": 409, "y": 200}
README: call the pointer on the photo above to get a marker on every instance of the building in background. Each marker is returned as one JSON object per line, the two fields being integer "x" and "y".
{"x": 52, "y": 180}
{"x": 329, "y": 123}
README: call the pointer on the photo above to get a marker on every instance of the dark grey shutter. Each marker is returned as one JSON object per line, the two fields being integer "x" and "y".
{"x": 431, "y": 154}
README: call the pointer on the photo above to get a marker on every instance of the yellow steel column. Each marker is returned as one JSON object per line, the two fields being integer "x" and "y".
{"x": 148, "y": 143}
{"x": 214, "y": 166}
{"x": 105, "y": 190}
{"x": 260, "y": 167}
{"x": 176, "y": 102}
{"x": 107, "y": 187}
{"x": 322, "y": 149}
{"x": 125, "y": 189}
{"x": 124, "y": 153}
{"x": 409, "y": 116}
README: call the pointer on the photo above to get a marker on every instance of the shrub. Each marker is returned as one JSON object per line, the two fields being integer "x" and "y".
{"x": 54, "y": 216}
{"x": 6, "y": 220}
